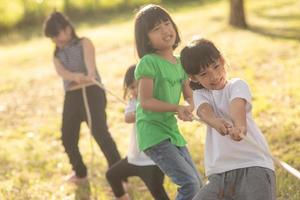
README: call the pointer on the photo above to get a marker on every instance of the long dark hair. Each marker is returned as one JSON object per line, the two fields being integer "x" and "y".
{"x": 128, "y": 79}
{"x": 197, "y": 56}
{"x": 56, "y": 22}
{"x": 145, "y": 20}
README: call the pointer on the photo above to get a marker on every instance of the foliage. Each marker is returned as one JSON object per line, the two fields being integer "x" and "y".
{"x": 32, "y": 160}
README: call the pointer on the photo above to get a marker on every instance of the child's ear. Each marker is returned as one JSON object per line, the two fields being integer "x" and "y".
{"x": 222, "y": 60}
{"x": 68, "y": 30}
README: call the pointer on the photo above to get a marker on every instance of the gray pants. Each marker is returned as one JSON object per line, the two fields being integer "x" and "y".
{"x": 253, "y": 183}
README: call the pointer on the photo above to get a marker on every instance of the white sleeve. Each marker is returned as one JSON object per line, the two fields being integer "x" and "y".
{"x": 240, "y": 89}
{"x": 200, "y": 97}
{"x": 131, "y": 107}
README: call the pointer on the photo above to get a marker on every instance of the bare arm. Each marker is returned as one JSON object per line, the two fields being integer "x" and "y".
{"x": 238, "y": 112}
{"x": 149, "y": 103}
{"x": 238, "y": 116}
{"x": 62, "y": 72}
{"x": 130, "y": 117}
{"x": 89, "y": 57}
{"x": 207, "y": 115}
{"x": 188, "y": 94}
{"x": 66, "y": 74}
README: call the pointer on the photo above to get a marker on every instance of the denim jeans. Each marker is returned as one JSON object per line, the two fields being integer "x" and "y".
{"x": 177, "y": 164}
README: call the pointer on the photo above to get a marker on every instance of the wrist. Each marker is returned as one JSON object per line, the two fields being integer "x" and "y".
{"x": 74, "y": 77}
{"x": 211, "y": 121}
{"x": 177, "y": 108}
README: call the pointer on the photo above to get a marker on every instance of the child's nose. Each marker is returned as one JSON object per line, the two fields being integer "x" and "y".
{"x": 165, "y": 29}
{"x": 214, "y": 77}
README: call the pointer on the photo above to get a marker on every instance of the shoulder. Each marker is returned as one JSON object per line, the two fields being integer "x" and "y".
{"x": 147, "y": 61}
{"x": 237, "y": 82}
{"x": 146, "y": 67}
{"x": 150, "y": 58}
{"x": 239, "y": 88}
{"x": 86, "y": 42}
{"x": 201, "y": 93}
{"x": 131, "y": 106}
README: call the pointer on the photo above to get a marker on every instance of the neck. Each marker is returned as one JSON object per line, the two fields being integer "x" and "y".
{"x": 167, "y": 54}
{"x": 66, "y": 43}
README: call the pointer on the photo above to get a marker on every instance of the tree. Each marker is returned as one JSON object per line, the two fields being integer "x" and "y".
{"x": 66, "y": 6}
{"x": 237, "y": 14}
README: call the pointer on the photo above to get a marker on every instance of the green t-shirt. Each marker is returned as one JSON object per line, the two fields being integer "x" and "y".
{"x": 168, "y": 78}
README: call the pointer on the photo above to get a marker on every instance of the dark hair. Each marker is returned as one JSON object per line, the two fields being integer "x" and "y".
{"x": 197, "y": 56}
{"x": 56, "y": 22}
{"x": 128, "y": 79}
{"x": 145, "y": 20}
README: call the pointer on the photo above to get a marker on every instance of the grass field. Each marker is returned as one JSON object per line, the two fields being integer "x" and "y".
{"x": 32, "y": 159}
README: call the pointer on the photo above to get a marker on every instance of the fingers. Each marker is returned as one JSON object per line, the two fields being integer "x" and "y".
{"x": 234, "y": 133}
{"x": 224, "y": 131}
{"x": 224, "y": 127}
{"x": 184, "y": 114}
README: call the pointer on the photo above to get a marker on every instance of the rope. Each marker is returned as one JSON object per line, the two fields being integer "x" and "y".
{"x": 107, "y": 90}
{"x": 89, "y": 118}
{"x": 280, "y": 163}
{"x": 89, "y": 123}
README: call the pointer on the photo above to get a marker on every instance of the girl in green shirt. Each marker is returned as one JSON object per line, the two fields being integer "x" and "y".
{"x": 161, "y": 79}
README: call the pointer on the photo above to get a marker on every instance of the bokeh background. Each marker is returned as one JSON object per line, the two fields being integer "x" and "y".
{"x": 260, "y": 40}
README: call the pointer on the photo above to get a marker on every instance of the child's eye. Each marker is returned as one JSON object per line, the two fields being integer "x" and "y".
{"x": 216, "y": 66}
{"x": 167, "y": 23}
{"x": 202, "y": 74}
{"x": 156, "y": 28}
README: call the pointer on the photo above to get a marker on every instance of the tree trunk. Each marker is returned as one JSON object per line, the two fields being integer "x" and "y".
{"x": 237, "y": 14}
{"x": 67, "y": 6}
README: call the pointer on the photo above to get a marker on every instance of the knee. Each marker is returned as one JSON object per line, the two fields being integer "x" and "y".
{"x": 195, "y": 187}
{"x": 192, "y": 188}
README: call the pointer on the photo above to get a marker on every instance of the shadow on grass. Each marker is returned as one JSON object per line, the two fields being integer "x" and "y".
{"x": 91, "y": 19}
{"x": 288, "y": 22}
{"x": 277, "y": 33}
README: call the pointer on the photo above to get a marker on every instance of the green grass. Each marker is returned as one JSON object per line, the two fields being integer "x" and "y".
{"x": 32, "y": 160}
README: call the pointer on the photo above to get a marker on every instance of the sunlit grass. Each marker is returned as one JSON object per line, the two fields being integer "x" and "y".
{"x": 32, "y": 160}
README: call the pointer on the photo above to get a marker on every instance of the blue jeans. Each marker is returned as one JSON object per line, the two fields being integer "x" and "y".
{"x": 177, "y": 164}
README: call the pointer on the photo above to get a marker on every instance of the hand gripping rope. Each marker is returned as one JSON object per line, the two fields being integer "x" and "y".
{"x": 280, "y": 163}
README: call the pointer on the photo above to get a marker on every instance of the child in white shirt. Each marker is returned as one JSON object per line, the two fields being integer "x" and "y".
{"x": 235, "y": 169}
{"x": 136, "y": 163}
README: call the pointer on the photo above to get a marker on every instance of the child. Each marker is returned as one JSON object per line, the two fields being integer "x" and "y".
{"x": 136, "y": 163}
{"x": 74, "y": 60}
{"x": 161, "y": 79}
{"x": 235, "y": 169}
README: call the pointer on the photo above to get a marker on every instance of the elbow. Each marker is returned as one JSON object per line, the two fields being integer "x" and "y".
{"x": 201, "y": 115}
{"x": 127, "y": 120}
{"x": 144, "y": 105}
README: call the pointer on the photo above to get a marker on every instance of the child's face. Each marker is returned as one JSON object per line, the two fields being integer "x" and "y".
{"x": 213, "y": 77}
{"x": 63, "y": 37}
{"x": 162, "y": 36}
{"x": 133, "y": 89}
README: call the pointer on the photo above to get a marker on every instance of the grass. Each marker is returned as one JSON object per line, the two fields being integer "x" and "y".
{"x": 32, "y": 160}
